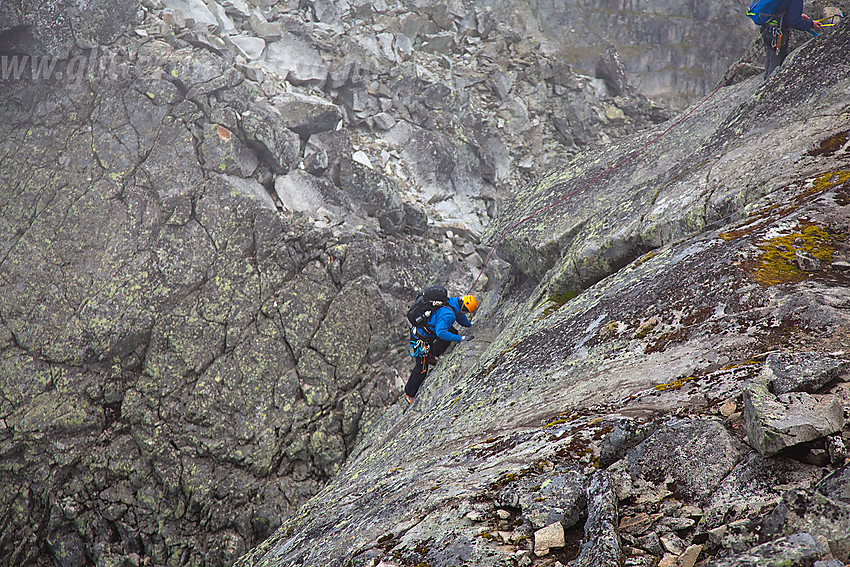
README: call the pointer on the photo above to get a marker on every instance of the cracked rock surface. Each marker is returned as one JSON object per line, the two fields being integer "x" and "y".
{"x": 192, "y": 343}
{"x": 643, "y": 363}
{"x": 182, "y": 365}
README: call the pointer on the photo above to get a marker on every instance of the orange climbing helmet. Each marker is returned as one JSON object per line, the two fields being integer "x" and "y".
{"x": 470, "y": 303}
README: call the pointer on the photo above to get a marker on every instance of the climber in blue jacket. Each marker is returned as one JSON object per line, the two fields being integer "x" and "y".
{"x": 777, "y": 32}
{"x": 438, "y": 334}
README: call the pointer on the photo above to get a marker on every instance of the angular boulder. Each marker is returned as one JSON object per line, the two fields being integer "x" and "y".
{"x": 307, "y": 115}
{"x": 836, "y": 485}
{"x": 376, "y": 194}
{"x": 311, "y": 195}
{"x": 801, "y": 371}
{"x": 195, "y": 12}
{"x": 296, "y": 60}
{"x": 811, "y": 512}
{"x": 548, "y": 537}
{"x": 560, "y": 497}
{"x": 797, "y": 550}
{"x": 266, "y": 131}
{"x": 775, "y": 423}
{"x": 696, "y": 454}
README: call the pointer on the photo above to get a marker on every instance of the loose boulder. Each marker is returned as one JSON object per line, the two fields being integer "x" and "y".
{"x": 775, "y": 423}
{"x": 801, "y": 372}
{"x": 696, "y": 454}
{"x": 307, "y": 115}
{"x": 812, "y": 512}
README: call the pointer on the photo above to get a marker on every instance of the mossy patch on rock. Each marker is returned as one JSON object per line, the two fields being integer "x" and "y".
{"x": 776, "y": 264}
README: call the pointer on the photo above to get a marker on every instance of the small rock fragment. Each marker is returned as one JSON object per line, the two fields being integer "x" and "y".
{"x": 672, "y": 543}
{"x": 807, "y": 262}
{"x": 547, "y": 538}
{"x": 690, "y": 556}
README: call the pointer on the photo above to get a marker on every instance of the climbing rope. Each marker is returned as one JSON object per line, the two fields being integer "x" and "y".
{"x": 614, "y": 167}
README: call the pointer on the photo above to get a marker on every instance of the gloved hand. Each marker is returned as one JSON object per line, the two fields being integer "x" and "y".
{"x": 465, "y": 338}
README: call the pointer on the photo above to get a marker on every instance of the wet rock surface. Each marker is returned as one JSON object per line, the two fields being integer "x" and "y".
{"x": 646, "y": 366}
{"x": 212, "y": 225}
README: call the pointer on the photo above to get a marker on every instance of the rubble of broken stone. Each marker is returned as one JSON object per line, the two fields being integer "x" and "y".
{"x": 447, "y": 120}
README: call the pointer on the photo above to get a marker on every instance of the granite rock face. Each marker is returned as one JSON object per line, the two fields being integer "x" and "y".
{"x": 207, "y": 245}
{"x": 183, "y": 364}
{"x": 644, "y": 360}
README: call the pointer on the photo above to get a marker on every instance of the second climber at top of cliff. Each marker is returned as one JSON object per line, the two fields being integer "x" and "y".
{"x": 776, "y": 19}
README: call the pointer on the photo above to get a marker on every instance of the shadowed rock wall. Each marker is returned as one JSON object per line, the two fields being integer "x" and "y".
{"x": 182, "y": 365}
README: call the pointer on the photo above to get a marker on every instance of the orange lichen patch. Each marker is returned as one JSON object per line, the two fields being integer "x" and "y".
{"x": 777, "y": 262}
{"x": 223, "y": 133}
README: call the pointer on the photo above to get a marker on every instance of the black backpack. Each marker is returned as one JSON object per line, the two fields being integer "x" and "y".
{"x": 429, "y": 301}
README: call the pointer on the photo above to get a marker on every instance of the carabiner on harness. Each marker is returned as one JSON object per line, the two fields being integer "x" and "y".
{"x": 418, "y": 348}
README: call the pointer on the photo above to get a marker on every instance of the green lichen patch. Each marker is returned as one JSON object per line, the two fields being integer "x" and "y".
{"x": 838, "y": 181}
{"x": 776, "y": 264}
{"x": 557, "y": 301}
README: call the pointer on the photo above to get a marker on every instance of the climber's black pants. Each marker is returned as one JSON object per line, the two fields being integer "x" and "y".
{"x": 421, "y": 365}
{"x": 775, "y": 57}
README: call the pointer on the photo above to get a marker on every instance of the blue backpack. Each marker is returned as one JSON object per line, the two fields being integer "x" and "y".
{"x": 762, "y": 11}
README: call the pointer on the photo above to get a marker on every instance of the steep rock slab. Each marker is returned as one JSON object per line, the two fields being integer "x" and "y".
{"x": 673, "y": 331}
{"x": 699, "y": 173}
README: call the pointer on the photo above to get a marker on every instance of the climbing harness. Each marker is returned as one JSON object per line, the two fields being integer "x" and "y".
{"x": 775, "y": 28}
{"x": 614, "y": 167}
